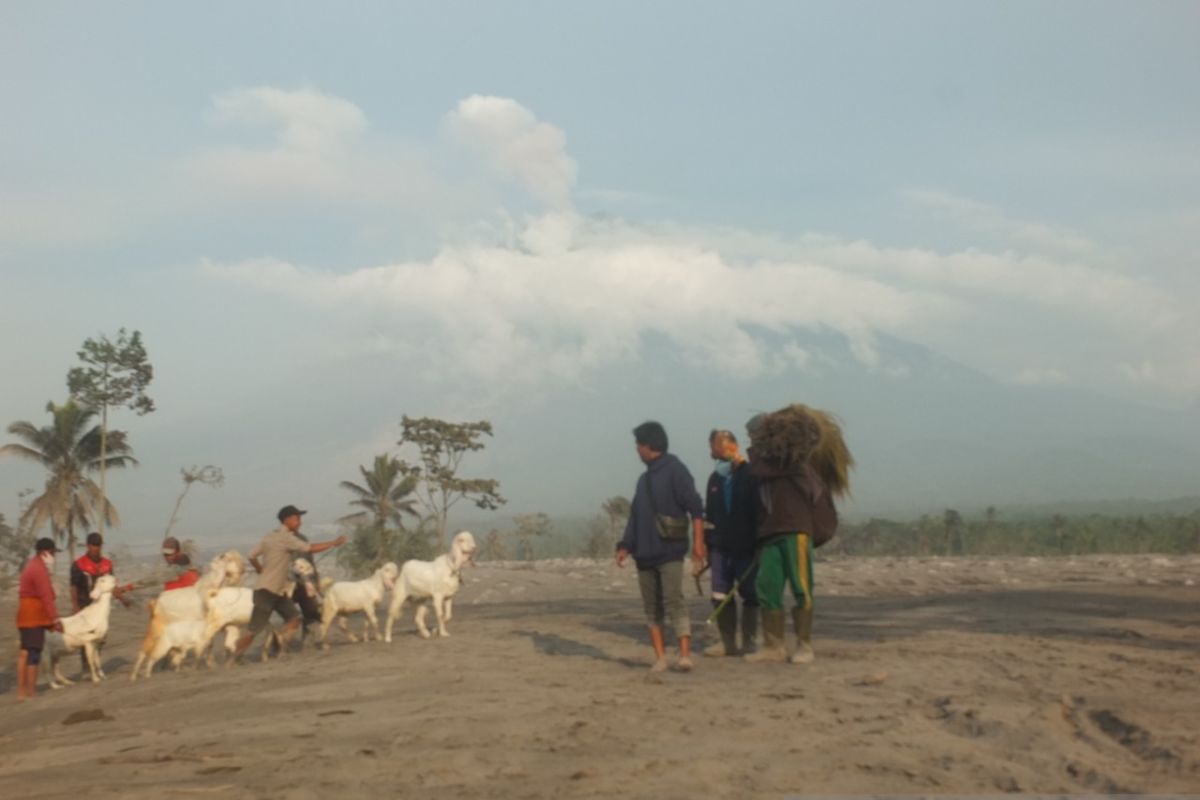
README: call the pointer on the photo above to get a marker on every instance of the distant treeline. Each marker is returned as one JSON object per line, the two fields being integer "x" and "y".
{"x": 950, "y": 534}
{"x": 947, "y": 534}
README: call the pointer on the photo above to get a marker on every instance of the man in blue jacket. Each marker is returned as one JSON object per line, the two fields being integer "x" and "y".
{"x": 657, "y": 538}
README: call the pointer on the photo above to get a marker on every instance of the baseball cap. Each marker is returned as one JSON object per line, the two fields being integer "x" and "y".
{"x": 44, "y": 544}
{"x": 170, "y": 546}
{"x": 288, "y": 511}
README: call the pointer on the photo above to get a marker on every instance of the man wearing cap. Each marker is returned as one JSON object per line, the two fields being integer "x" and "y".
{"x": 270, "y": 591}
{"x": 86, "y": 569}
{"x": 84, "y": 572}
{"x": 36, "y": 612}
{"x": 185, "y": 574}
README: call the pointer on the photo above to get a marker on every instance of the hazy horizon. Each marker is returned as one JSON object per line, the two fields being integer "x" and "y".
{"x": 970, "y": 230}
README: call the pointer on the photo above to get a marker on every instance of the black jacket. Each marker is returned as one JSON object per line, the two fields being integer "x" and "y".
{"x": 734, "y": 523}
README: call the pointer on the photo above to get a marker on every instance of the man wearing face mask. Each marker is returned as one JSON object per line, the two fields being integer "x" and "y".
{"x": 730, "y": 508}
{"x": 36, "y": 612}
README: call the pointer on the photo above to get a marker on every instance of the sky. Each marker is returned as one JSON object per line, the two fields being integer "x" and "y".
{"x": 323, "y": 217}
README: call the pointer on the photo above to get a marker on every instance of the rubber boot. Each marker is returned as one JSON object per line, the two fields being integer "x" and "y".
{"x": 749, "y": 628}
{"x": 772, "y": 649}
{"x": 727, "y": 625}
{"x": 802, "y": 618}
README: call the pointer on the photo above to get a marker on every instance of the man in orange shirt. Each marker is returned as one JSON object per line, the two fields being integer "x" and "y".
{"x": 36, "y": 612}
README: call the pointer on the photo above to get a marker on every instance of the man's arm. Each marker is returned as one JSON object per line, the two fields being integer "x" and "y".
{"x": 321, "y": 547}
{"x": 689, "y": 500}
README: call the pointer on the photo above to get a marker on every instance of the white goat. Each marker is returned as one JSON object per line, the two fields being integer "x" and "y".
{"x": 433, "y": 581}
{"x": 347, "y": 597}
{"x": 188, "y": 604}
{"x": 179, "y": 639}
{"x": 85, "y": 630}
{"x": 229, "y": 607}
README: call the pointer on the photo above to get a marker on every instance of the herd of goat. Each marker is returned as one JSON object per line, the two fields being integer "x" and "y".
{"x": 186, "y": 621}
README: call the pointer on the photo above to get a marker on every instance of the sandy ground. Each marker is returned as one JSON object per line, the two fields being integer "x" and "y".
{"x": 1071, "y": 675}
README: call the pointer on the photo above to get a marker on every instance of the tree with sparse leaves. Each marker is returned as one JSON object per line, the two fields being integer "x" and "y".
{"x": 208, "y": 475}
{"x": 115, "y": 374}
{"x": 69, "y": 448}
{"x": 441, "y": 447}
{"x": 530, "y": 527}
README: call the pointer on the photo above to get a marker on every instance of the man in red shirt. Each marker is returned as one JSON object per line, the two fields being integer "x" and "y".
{"x": 36, "y": 612}
{"x": 185, "y": 574}
{"x": 84, "y": 572}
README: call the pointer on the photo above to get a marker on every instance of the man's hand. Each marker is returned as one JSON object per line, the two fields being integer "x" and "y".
{"x": 622, "y": 554}
{"x": 339, "y": 541}
{"x": 57, "y": 626}
{"x": 699, "y": 561}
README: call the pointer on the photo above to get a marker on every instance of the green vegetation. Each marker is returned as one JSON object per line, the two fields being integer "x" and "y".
{"x": 989, "y": 535}
{"x": 15, "y": 549}
{"x": 379, "y": 534}
{"x": 70, "y": 449}
{"x": 114, "y": 374}
{"x": 441, "y": 447}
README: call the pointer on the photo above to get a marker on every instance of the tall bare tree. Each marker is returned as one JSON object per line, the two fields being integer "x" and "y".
{"x": 208, "y": 475}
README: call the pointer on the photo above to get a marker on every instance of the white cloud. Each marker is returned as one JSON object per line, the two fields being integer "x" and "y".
{"x": 568, "y": 298}
{"x": 512, "y": 141}
{"x": 303, "y": 120}
{"x": 983, "y": 218}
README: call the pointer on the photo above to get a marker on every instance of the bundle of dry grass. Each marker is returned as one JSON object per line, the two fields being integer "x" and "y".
{"x": 797, "y": 434}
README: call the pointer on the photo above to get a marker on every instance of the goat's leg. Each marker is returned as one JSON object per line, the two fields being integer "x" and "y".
{"x": 394, "y": 612}
{"x": 373, "y": 622}
{"x": 57, "y": 679}
{"x": 446, "y": 617}
{"x": 232, "y": 634}
{"x": 328, "y": 612}
{"x": 344, "y": 625}
{"x": 100, "y": 659}
{"x": 422, "y": 631}
{"x": 439, "y": 611}
{"x": 89, "y": 650}
{"x": 137, "y": 665}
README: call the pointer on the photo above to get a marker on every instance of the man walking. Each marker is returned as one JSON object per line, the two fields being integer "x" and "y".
{"x": 729, "y": 507}
{"x": 656, "y": 535}
{"x": 270, "y": 591}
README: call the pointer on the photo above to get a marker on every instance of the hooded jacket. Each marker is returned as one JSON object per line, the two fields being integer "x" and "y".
{"x": 666, "y": 487}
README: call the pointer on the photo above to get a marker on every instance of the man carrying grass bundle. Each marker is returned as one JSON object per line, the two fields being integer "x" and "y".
{"x": 799, "y": 462}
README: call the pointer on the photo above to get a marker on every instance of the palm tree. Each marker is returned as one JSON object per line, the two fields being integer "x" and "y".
{"x": 69, "y": 448}
{"x": 385, "y": 498}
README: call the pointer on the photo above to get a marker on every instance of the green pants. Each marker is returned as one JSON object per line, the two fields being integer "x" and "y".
{"x": 785, "y": 560}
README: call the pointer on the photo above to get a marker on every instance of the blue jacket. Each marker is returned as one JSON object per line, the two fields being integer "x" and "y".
{"x": 674, "y": 496}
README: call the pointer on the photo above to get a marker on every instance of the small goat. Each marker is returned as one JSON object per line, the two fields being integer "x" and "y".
{"x": 85, "y": 630}
{"x": 347, "y": 597}
{"x": 229, "y": 607}
{"x": 189, "y": 603}
{"x": 433, "y": 581}
{"x": 177, "y": 639}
